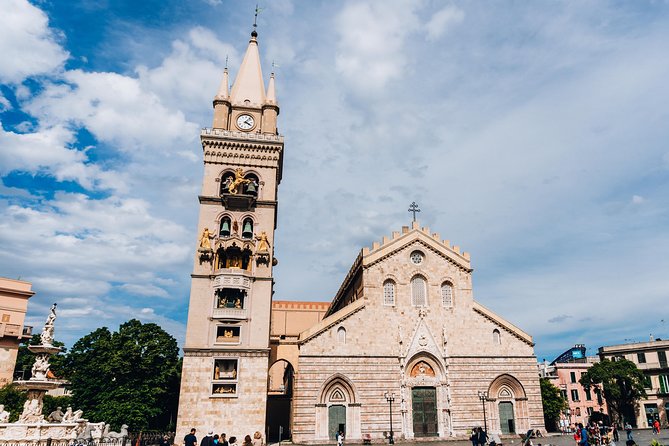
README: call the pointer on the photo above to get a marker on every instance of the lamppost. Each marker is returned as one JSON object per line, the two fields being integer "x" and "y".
{"x": 483, "y": 396}
{"x": 390, "y": 397}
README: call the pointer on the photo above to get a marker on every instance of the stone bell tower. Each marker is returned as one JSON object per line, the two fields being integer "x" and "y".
{"x": 226, "y": 353}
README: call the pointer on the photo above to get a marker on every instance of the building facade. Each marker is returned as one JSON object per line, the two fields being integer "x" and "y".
{"x": 565, "y": 373}
{"x": 651, "y": 358}
{"x": 14, "y": 295}
{"x": 403, "y": 342}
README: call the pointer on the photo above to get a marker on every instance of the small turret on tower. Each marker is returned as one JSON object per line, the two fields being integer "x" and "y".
{"x": 270, "y": 110}
{"x": 222, "y": 103}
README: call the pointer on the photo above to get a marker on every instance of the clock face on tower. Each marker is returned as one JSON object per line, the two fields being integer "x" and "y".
{"x": 245, "y": 122}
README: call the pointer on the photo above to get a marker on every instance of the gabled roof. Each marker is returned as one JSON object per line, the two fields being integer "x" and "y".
{"x": 506, "y": 325}
{"x": 433, "y": 242}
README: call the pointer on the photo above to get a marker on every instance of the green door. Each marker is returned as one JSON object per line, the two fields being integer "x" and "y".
{"x": 336, "y": 421}
{"x": 506, "y": 422}
{"x": 424, "y": 405}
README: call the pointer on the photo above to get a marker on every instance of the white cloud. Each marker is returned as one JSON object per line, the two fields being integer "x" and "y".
{"x": 442, "y": 20}
{"x": 637, "y": 199}
{"x": 371, "y": 48}
{"x": 27, "y": 44}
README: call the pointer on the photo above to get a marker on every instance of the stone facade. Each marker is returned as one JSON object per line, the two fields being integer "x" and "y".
{"x": 651, "y": 357}
{"x": 226, "y": 352}
{"x": 426, "y": 336}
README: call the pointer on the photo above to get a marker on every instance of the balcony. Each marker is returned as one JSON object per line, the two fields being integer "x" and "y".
{"x": 232, "y": 278}
{"x": 15, "y": 330}
{"x": 230, "y": 313}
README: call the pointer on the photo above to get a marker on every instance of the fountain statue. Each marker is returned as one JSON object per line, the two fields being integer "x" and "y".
{"x": 32, "y": 425}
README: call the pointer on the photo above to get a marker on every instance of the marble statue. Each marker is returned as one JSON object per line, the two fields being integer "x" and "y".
{"x": 4, "y": 415}
{"x": 56, "y": 416}
{"x": 47, "y": 332}
{"x": 117, "y": 435}
{"x": 32, "y": 412}
{"x": 40, "y": 367}
{"x": 70, "y": 416}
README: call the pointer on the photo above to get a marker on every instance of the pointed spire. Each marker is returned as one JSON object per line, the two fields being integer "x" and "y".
{"x": 271, "y": 91}
{"x": 223, "y": 89}
{"x": 249, "y": 85}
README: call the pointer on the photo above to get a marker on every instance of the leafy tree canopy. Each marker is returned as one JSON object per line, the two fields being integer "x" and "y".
{"x": 621, "y": 382}
{"x": 130, "y": 376}
{"x": 12, "y": 398}
{"x": 553, "y": 403}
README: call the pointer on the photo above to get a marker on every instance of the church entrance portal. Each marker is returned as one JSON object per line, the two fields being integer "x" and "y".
{"x": 336, "y": 420}
{"x": 506, "y": 421}
{"x": 424, "y": 405}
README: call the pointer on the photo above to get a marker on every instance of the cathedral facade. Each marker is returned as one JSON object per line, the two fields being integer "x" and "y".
{"x": 403, "y": 342}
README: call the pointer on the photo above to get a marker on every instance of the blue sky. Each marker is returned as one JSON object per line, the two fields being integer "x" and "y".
{"x": 532, "y": 134}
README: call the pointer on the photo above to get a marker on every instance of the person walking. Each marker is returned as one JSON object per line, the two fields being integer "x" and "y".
{"x": 340, "y": 438}
{"x": 656, "y": 427}
{"x": 616, "y": 436}
{"x": 474, "y": 437}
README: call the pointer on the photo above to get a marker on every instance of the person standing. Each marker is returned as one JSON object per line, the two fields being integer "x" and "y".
{"x": 616, "y": 437}
{"x": 584, "y": 435}
{"x": 208, "y": 440}
{"x": 190, "y": 439}
{"x": 482, "y": 437}
{"x": 628, "y": 430}
{"x": 474, "y": 437}
{"x": 222, "y": 440}
{"x": 340, "y": 438}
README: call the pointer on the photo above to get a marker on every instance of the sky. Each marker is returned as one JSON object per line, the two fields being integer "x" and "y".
{"x": 534, "y": 135}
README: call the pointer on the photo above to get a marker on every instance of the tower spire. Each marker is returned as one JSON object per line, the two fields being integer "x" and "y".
{"x": 249, "y": 85}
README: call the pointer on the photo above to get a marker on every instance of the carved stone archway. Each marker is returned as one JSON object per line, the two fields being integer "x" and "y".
{"x": 507, "y": 404}
{"x": 338, "y": 391}
{"x": 424, "y": 371}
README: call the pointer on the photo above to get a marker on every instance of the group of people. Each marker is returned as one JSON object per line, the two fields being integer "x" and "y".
{"x": 478, "y": 436}
{"x": 212, "y": 439}
{"x": 596, "y": 434}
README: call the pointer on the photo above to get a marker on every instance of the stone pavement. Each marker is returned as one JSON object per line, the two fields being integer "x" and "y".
{"x": 642, "y": 437}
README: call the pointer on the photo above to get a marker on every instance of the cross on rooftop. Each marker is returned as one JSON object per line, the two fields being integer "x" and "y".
{"x": 413, "y": 207}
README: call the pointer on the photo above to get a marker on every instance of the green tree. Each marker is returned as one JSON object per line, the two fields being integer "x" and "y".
{"x": 25, "y": 358}
{"x": 12, "y": 398}
{"x": 620, "y": 381}
{"x": 553, "y": 403}
{"x": 130, "y": 376}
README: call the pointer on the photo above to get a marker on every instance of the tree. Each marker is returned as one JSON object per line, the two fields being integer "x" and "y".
{"x": 554, "y": 403}
{"x": 25, "y": 358}
{"x": 621, "y": 382}
{"x": 12, "y": 398}
{"x": 131, "y": 376}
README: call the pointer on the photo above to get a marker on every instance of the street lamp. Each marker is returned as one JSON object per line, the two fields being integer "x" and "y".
{"x": 483, "y": 396}
{"x": 390, "y": 397}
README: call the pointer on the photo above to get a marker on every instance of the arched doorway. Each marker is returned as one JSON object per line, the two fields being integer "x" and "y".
{"x": 427, "y": 401}
{"x": 338, "y": 410}
{"x": 509, "y": 405}
{"x": 280, "y": 400}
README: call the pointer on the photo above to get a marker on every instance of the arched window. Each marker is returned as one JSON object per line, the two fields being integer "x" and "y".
{"x": 226, "y": 179}
{"x": 341, "y": 335}
{"x": 496, "y": 339}
{"x": 226, "y": 224}
{"x": 247, "y": 228}
{"x": 447, "y": 294}
{"x": 389, "y": 292}
{"x": 418, "y": 292}
{"x": 251, "y": 188}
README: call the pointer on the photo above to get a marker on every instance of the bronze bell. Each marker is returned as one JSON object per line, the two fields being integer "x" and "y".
{"x": 247, "y": 232}
{"x": 251, "y": 187}
{"x": 225, "y": 228}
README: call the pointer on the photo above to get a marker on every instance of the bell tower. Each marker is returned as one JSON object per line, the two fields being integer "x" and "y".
{"x": 226, "y": 353}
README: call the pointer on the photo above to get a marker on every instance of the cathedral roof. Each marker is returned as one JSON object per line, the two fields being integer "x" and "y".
{"x": 249, "y": 84}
